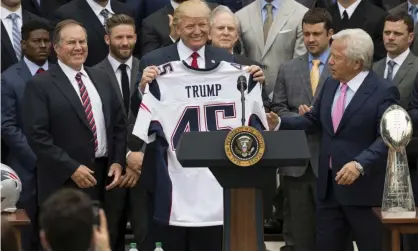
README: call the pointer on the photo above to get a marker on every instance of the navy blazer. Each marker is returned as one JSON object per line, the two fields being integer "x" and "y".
{"x": 356, "y": 139}
{"x": 21, "y": 157}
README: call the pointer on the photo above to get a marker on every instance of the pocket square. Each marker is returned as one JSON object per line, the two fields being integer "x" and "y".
{"x": 285, "y": 31}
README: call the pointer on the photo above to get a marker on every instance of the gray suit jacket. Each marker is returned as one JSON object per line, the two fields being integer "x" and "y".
{"x": 284, "y": 41}
{"x": 134, "y": 142}
{"x": 404, "y": 78}
{"x": 292, "y": 89}
{"x": 403, "y": 8}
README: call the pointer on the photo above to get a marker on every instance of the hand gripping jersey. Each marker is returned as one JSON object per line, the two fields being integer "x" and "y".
{"x": 183, "y": 99}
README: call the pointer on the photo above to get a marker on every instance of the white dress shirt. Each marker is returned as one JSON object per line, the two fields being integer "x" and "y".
{"x": 398, "y": 60}
{"x": 97, "y": 8}
{"x": 96, "y": 105}
{"x": 350, "y": 10}
{"x": 8, "y": 23}
{"x": 174, "y": 4}
{"x": 33, "y": 68}
{"x": 185, "y": 54}
{"x": 115, "y": 66}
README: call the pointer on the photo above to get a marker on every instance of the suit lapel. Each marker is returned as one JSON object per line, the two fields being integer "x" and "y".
{"x": 210, "y": 57}
{"x": 7, "y": 43}
{"x": 304, "y": 73}
{"x": 403, "y": 69}
{"x": 107, "y": 67}
{"x": 327, "y": 100}
{"x": 67, "y": 89}
{"x": 281, "y": 18}
{"x": 134, "y": 74}
{"x": 173, "y": 54}
{"x": 380, "y": 68}
{"x": 101, "y": 90}
{"x": 361, "y": 96}
{"x": 255, "y": 12}
{"x": 23, "y": 71}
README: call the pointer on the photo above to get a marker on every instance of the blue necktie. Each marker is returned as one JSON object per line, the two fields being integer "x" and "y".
{"x": 413, "y": 11}
{"x": 391, "y": 64}
{"x": 16, "y": 36}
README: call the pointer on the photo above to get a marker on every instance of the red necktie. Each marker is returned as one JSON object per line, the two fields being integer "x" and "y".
{"x": 39, "y": 70}
{"x": 87, "y": 108}
{"x": 194, "y": 56}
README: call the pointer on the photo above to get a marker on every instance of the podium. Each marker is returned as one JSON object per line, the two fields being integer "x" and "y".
{"x": 17, "y": 219}
{"x": 243, "y": 203}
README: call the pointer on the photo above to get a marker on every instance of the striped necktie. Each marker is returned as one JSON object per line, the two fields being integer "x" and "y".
{"x": 16, "y": 36}
{"x": 88, "y": 109}
{"x": 106, "y": 14}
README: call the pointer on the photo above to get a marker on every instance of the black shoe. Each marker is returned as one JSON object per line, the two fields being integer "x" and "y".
{"x": 273, "y": 226}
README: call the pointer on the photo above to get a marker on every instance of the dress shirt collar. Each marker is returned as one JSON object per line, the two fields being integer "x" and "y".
{"x": 323, "y": 57}
{"x": 5, "y": 13}
{"x": 400, "y": 58}
{"x": 70, "y": 72}
{"x": 33, "y": 68}
{"x": 185, "y": 52}
{"x": 275, "y": 4}
{"x": 356, "y": 82}
{"x": 350, "y": 10}
{"x": 174, "y": 4}
{"x": 115, "y": 63}
{"x": 409, "y": 6}
{"x": 97, "y": 8}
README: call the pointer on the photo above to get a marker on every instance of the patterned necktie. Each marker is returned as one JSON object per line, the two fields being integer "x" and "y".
{"x": 106, "y": 14}
{"x": 85, "y": 99}
{"x": 16, "y": 35}
{"x": 339, "y": 108}
{"x": 391, "y": 64}
{"x": 315, "y": 75}
{"x": 268, "y": 21}
{"x": 194, "y": 56}
{"x": 40, "y": 70}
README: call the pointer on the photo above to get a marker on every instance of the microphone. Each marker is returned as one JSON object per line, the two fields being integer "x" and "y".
{"x": 242, "y": 86}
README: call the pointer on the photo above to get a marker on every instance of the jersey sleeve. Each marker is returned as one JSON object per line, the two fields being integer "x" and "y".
{"x": 146, "y": 114}
{"x": 256, "y": 114}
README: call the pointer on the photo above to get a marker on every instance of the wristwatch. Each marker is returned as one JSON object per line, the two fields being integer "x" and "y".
{"x": 359, "y": 168}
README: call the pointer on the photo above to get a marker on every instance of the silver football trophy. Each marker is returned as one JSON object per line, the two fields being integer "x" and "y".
{"x": 396, "y": 130}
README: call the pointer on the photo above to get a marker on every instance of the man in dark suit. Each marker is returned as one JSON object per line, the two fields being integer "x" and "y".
{"x": 12, "y": 17}
{"x": 356, "y": 14}
{"x": 157, "y": 30}
{"x": 43, "y": 8}
{"x": 129, "y": 200}
{"x": 193, "y": 50}
{"x": 92, "y": 14}
{"x": 352, "y": 156}
{"x": 35, "y": 48}
{"x": 233, "y": 5}
{"x": 73, "y": 121}
{"x": 407, "y": 8}
{"x": 298, "y": 85}
{"x": 413, "y": 106}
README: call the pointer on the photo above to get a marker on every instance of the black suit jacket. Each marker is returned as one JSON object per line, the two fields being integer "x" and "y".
{"x": 80, "y": 11}
{"x": 57, "y": 129}
{"x": 247, "y": 61}
{"x": 8, "y": 54}
{"x": 155, "y": 29}
{"x": 46, "y": 7}
{"x": 368, "y": 17}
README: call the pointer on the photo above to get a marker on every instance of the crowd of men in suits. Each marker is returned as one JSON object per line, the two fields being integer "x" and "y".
{"x": 70, "y": 96}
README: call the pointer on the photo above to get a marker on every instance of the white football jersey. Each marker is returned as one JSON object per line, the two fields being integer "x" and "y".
{"x": 183, "y": 99}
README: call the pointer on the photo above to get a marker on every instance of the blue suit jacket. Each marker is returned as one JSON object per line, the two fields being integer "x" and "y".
{"x": 413, "y": 106}
{"x": 21, "y": 158}
{"x": 357, "y": 138}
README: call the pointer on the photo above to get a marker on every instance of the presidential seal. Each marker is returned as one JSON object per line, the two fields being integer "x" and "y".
{"x": 244, "y": 146}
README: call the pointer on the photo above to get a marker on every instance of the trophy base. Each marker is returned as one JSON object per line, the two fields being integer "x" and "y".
{"x": 398, "y": 213}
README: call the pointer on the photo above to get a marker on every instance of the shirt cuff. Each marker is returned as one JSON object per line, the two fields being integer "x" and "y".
{"x": 127, "y": 155}
{"x": 278, "y": 125}
{"x": 359, "y": 168}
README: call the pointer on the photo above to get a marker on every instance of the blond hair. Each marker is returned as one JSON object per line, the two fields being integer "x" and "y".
{"x": 189, "y": 7}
